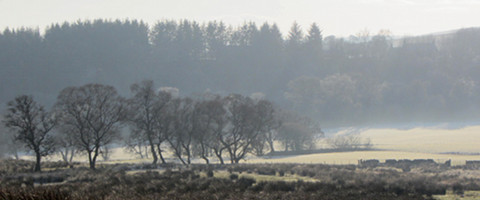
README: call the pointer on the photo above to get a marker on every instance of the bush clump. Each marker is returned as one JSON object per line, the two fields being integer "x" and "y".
{"x": 210, "y": 173}
{"x": 233, "y": 176}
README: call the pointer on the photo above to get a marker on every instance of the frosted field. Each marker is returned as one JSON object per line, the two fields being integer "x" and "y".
{"x": 430, "y": 140}
{"x": 417, "y": 143}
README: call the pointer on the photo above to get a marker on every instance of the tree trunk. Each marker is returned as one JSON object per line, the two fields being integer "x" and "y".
{"x": 177, "y": 149}
{"x": 232, "y": 154}
{"x": 188, "y": 156}
{"x": 37, "y": 164}
{"x": 72, "y": 153}
{"x": 218, "y": 153}
{"x": 146, "y": 151}
{"x": 204, "y": 154}
{"x": 181, "y": 159}
{"x": 152, "y": 149}
{"x": 90, "y": 159}
{"x": 206, "y": 159}
{"x": 92, "y": 164}
{"x": 221, "y": 160}
{"x": 70, "y": 161}
{"x": 64, "y": 156}
{"x": 160, "y": 154}
{"x": 179, "y": 156}
{"x": 270, "y": 143}
{"x": 94, "y": 159}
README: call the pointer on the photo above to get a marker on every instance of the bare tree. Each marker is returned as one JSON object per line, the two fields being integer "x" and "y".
{"x": 266, "y": 124}
{"x": 247, "y": 121}
{"x": 105, "y": 152}
{"x": 259, "y": 145}
{"x": 214, "y": 110}
{"x": 14, "y": 147}
{"x": 135, "y": 143}
{"x": 295, "y": 136}
{"x": 164, "y": 122}
{"x": 8, "y": 145}
{"x": 297, "y": 132}
{"x": 235, "y": 137}
{"x": 184, "y": 126}
{"x": 203, "y": 133}
{"x": 210, "y": 116}
{"x": 352, "y": 141}
{"x": 93, "y": 112}
{"x": 66, "y": 145}
{"x": 147, "y": 108}
{"x": 31, "y": 125}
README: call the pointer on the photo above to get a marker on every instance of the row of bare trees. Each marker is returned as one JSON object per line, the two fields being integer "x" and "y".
{"x": 89, "y": 118}
{"x": 212, "y": 125}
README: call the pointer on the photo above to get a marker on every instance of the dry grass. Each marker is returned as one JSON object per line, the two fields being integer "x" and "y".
{"x": 260, "y": 178}
{"x": 429, "y": 140}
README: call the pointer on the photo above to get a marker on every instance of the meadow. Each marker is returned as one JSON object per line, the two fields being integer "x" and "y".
{"x": 428, "y": 140}
{"x": 439, "y": 144}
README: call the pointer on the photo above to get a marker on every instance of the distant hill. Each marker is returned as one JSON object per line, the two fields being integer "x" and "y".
{"x": 428, "y": 78}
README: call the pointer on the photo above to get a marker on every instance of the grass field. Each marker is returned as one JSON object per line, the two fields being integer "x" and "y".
{"x": 429, "y": 140}
{"x": 417, "y": 143}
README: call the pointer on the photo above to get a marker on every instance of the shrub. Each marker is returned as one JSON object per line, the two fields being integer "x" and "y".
{"x": 458, "y": 188}
{"x": 243, "y": 183}
{"x": 279, "y": 186}
{"x": 266, "y": 171}
{"x": 233, "y": 176}
{"x": 210, "y": 173}
{"x": 40, "y": 193}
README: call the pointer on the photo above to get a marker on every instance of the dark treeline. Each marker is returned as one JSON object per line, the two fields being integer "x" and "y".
{"x": 362, "y": 79}
{"x": 88, "y": 119}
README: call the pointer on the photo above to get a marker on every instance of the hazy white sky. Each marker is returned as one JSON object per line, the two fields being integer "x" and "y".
{"x": 335, "y": 17}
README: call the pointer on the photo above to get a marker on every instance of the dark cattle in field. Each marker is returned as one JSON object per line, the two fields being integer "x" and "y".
{"x": 368, "y": 163}
{"x": 472, "y": 164}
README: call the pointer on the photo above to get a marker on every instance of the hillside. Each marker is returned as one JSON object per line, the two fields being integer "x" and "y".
{"x": 360, "y": 81}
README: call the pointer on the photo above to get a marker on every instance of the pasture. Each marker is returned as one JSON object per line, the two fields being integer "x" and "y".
{"x": 439, "y": 144}
{"x": 426, "y": 140}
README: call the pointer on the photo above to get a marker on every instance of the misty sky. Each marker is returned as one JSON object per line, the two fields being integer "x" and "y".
{"x": 335, "y": 17}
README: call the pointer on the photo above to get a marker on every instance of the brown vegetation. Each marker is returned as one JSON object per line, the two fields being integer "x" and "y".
{"x": 179, "y": 182}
